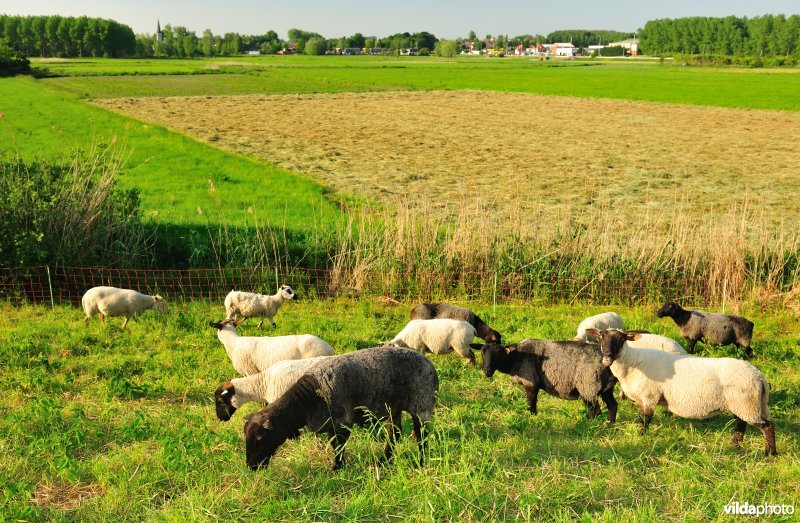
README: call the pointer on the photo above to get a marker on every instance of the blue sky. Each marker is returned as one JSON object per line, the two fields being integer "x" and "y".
{"x": 446, "y": 19}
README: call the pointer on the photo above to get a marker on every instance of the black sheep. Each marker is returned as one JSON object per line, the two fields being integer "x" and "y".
{"x": 712, "y": 328}
{"x": 564, "y": 369}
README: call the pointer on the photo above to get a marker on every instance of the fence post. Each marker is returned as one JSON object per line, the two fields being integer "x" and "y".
{"x": 50, "y": 286}
{"x": 724, "y": 293}
{"x": 277, "y": 283}
{"x": 494, "y": 295}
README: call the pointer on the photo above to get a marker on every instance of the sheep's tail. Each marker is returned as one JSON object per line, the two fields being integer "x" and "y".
{"x": 764, "y": 400}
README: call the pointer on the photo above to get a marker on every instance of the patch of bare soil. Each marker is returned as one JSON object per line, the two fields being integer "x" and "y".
{"x": 64, "y": 497}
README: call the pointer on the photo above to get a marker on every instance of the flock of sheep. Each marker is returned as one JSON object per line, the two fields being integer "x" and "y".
{"x": 303, "y": 383}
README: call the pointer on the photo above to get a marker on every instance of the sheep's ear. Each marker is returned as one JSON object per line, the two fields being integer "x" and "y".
{"x": 633, "y": 336}
{"x": 267, "y": 424}
{"x": 594, "y": 332}
{"x": 236, "y": 323}
{"x": 215, "y": 324}
{"x": 510, "y": 349}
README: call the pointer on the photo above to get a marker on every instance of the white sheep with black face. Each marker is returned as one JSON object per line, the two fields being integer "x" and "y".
{"x": 242, "y": 305}
{"x": 111, "y": 302}
{"x": 689, "y": 386}
{"x": 253, "y": 354}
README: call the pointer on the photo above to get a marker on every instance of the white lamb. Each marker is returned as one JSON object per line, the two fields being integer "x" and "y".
{"x": 439, "y": 336}
{"x": 265, "y": 386}
{"x": 243, "y": 305}
{"x": 689, "y": 386}
{"x": 655, "y": 341}
{"x": 250, "y": 354}
{"x": 606, "y": 320}
{"x": 111, "y": 302}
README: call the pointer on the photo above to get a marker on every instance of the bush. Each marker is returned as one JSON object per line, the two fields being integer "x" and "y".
{"x": 424, "y": 51}
{"x": 70, "y": 213}
{"x": 446, "y": 48}
{"x": 12, "y": 62}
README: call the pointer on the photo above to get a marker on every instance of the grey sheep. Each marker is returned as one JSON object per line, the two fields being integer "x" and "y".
{"x": 338, "y": 393}
{"x": 429, "y": 311}
{"x": 711, "y": 328}
{"x": 564, "y": 369}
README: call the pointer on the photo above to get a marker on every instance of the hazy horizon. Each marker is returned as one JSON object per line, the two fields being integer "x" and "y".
{"x": 444, "y": 19}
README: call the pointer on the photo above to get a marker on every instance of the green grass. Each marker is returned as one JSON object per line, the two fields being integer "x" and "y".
{"x": 128, "y": 416}
{"x": 171, "y": 171}
{"x": 628, "y": 80}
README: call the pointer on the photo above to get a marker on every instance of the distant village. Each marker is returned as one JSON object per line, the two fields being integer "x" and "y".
{"x": 489, "y": 47}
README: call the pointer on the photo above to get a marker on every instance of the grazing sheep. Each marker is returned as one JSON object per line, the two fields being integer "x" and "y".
{"x": 564, "y": 369}
{"x": 430, "y": 311}
{"x": 439, "y": 336}
{"x": 341, "y": 392}
{"x": 654, "y": 341}
{"x": 266, "y": 386}
{"x": 714, "y": 329}
{"x": 111, "y": 302}
{"x": 250, "y": 354}
{"x": 606, "y": 320}
{"x": 689, "y": 386}
{"x": 243, "y": 305}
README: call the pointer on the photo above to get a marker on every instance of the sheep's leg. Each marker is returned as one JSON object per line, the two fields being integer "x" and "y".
{"x": 768, "y": 429}
{"x": 690, "y": 346}
{"x": 393, "y": 424}
{"x": 417, "y": 432}
{"x": 592, "y": 408}
{"x": 738, "y": 431}
{"x": 645, "y": 415}
{"x": 748, "y": 351}
{"x": 611, "y": 404}
{"x": 260, "y": 323}
{"x": 532, "y": 396}
{"x": 86, "y": 322}
{"x": 126, "y": 321}
{"x": 339, "y": 436}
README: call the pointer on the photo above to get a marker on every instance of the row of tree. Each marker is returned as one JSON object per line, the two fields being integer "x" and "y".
{"x": 768, "y": 35}
{"x": 67, "y": 36}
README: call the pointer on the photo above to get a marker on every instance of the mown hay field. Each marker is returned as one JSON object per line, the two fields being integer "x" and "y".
{"x": 531, "y": 161}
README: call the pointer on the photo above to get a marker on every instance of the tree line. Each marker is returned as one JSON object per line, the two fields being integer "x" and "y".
{"x": 768, "y": 35}
{"x": 65, "y": 36}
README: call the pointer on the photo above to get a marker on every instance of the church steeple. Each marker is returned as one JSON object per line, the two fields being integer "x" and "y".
{"x": 159, "y": 34}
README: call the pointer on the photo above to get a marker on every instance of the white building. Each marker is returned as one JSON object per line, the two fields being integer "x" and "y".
{"x": 563, "y": 49}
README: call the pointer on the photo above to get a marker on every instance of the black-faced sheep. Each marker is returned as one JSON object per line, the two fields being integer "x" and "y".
{"x": 711, "y": 328}
{"x": 333, "y": 397}
{"x": 252, "y": 354}
{"x": 690, "y": 386}
{"x": 111, "y": 302}
{"x": 265, "y": 386}
{"x": 243, "y": 305}
{"x": 564, "y": 369}
{"x": 439, "y": 336}
{"x": 430, "y": 311}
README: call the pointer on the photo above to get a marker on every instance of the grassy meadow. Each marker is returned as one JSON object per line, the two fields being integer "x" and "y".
{"x": 102, "y": 424}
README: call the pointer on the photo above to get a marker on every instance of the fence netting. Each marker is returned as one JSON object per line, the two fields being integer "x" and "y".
{"x": 61, "y": 285}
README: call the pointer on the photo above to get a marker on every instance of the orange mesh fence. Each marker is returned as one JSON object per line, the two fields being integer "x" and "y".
{"x": 45, "y": 285}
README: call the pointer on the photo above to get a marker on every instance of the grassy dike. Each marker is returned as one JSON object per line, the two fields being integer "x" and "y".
{"x": 101, "y": 424}
{"x": 181, "y": 181}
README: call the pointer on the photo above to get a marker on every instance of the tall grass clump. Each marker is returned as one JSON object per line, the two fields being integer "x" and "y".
{"x": 70, "y": 212}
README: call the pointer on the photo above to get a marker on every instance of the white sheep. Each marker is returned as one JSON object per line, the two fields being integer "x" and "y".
{"x": 689, "y": 386}
{"x": 251, "y": 354}
{"x": 439, "y": 336}
{"x": 111, "y": 302}
{"x": 265, "y": 386}
{"x": 606, "y": 320}
{"x": 655, "y": 341}
{"x": 243, "y": 305}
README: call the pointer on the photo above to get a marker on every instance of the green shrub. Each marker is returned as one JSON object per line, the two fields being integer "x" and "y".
{"x": 70, "y": 213}
{"x": 12, "y": 62}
